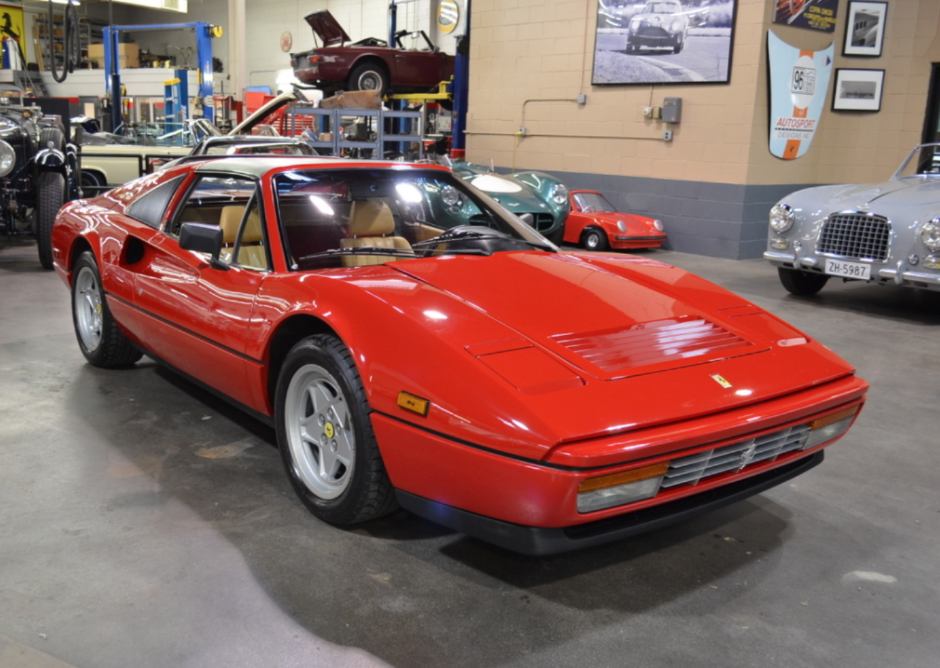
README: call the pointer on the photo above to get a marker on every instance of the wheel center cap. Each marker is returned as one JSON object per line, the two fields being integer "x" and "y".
{"x": 328, "y": 429}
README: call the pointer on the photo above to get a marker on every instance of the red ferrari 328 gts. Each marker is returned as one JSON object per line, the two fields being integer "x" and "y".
{"x": 472, "y": 374}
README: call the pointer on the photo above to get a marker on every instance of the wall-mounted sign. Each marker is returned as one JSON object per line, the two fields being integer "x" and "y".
{"x": 799, "y": 86}
{"x": 286, "y": 41}
{"x": 448, "y": 15}
{"x": 815, "y": 14}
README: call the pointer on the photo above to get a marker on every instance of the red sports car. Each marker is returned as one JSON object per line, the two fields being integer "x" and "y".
{"x": 369, "y": 64}
{"x": 472, "y": 374}
{"x": 595, "y": 224}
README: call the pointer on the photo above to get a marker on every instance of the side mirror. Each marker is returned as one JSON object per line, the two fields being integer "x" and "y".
{"x": 203, "y": 238}
{"x": 527, "y": 218}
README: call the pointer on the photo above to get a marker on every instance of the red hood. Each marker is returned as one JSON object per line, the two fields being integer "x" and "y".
{"x": 646, "y": 339}
{"x": 327, "y": 28}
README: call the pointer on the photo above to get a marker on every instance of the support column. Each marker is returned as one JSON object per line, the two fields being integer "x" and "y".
{"x": 237, "y": 48}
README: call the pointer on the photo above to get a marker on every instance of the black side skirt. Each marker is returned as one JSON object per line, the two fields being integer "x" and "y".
{"x": 538, "y": 541}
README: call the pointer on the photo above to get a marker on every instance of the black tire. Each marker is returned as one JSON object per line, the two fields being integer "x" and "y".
{"x": 351, "y": 491}
{"x": 594, "y": 239}
{"x": 680, "y": 42}
{"x": 368, "y": 76}
{"x": 51, "y": 138}
{"x": 100, "y": 339}
{"x": 91, "y": 184}
{"x": 631, "y": 47}
{"x": 50, "y": 196}
{"x": 802, "y": 283}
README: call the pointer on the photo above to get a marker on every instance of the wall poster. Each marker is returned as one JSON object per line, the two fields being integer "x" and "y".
{"x": 663, "y": 41}
{"x": 815, "y": 14}
{"x": 799, "y": 86}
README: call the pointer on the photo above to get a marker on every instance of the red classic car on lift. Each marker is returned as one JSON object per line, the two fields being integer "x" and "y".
{"x": 595, "y": 224}
{"x": 472, "y": 374}
{"x": 369, "y": 64}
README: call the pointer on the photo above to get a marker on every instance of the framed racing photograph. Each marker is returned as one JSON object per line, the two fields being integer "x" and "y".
{"x": 663, "y": 41}
{"x": 864, "y": 29}
{"x": 858, "y": 90}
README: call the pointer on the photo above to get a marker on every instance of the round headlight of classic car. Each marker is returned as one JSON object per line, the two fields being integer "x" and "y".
{"x": 450, "y": 196}
{"x": 931, "y": 234}
{"x": 658, "y": 224}
{"x": 558, "y": 193}
{"x": 7, "y": 158}
{"x": 622, "y": 226}
{"x": 781, "y": 217}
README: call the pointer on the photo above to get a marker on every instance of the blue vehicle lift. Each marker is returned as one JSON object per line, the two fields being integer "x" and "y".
{"x": 204, "y": 34}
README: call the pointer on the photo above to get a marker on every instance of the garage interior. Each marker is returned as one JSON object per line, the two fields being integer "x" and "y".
{"x": 146, "y": 522}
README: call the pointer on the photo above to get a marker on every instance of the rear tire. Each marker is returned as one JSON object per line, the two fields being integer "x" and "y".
{"x": 100, "y": 339}
{"x": 368, "y": 77}
{"x": 802, "y": 283}
{"x": 594, "y": 239}
{"x": 325, "y": 435}
{"x": 50, "y": 196}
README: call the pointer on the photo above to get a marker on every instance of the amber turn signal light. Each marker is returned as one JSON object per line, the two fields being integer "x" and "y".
{"x": 414, "y": 404}
{"x": 832, "y": 418}
{"x": 622, "y": 478}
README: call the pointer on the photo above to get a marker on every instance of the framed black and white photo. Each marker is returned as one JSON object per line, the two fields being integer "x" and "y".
{"x": 865, "y": 29}
{"x": 858, "y": 90}
{"x": 663, "y": 41}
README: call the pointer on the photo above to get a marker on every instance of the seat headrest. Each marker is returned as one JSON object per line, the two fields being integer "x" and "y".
{"x": 252, "y": 227}
{"x": 229, "y": 221}
{"x": 370, "y": 218}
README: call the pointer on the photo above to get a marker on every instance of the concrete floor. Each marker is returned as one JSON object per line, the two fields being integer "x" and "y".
{"x": 145, "y": 523}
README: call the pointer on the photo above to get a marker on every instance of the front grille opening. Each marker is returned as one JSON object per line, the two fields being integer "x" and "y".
{"x": 702, "y": 465}
{"x": 856, "y": 235}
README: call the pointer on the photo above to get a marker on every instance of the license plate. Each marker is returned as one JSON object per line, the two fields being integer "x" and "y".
{"x": 848, "y": 269}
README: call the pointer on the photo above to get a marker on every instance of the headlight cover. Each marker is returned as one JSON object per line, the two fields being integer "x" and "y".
{"x": 7, "y": 158}
{"x": 658, "y": 224}
{"x": 451, "y": 197}
{"x": 558, "y": 194}
{"x": 781, "y": 217}
{"x": 931, "y": 234}
{"x": 622, "y": 226}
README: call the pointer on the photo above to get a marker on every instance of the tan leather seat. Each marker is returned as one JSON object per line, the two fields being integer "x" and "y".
{"x": 251, "y": 251}
{"x": 370, "y": 226}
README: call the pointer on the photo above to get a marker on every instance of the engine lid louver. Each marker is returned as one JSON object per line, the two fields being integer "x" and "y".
{"x": 661, "y": 343}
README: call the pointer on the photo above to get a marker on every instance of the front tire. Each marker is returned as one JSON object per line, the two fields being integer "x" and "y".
{"x": 100, "y": 339}
{"x": 50, "y": 196}
{"x": 802, "y": 283}
{"x": 325, "y": 435}
{"x": 594, "y": 239}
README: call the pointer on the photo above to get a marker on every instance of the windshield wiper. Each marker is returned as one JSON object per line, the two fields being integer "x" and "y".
{"x": 394, "y": 252}
{"x": 478, "y": 236}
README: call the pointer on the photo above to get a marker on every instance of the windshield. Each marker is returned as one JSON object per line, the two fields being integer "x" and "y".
{"x": 353, "y": 217}
{"x": 593, "y": 203}
{"x": 661, "y": 8}
{"x": 924, "y": 160}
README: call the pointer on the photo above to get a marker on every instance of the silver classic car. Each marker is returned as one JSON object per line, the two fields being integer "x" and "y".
{"x": 878, "y": 232}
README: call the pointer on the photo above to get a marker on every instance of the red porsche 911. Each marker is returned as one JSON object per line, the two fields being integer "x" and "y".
{"x": 595, "y": 224}
{"x": 473, "y": 374}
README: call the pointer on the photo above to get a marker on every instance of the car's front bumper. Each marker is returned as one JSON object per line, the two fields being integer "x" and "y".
{"x": 900, "y": 273}
{"x": 543, "y": 494}
{"x": 624, "y": 241}
{"x": 537, "y": 541}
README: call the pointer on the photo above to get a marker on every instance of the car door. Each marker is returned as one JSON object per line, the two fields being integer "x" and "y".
{"x": 196, "y": 314}
{"x": 417, "y": 68}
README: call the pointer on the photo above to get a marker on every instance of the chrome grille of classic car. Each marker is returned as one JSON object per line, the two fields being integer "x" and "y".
{"x": 695, "y": 468}
{"x": 650, "y": 343}
{"x": 857, "y": 235}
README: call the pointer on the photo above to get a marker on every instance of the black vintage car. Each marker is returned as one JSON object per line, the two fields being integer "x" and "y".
{"x": 38, "y": 173}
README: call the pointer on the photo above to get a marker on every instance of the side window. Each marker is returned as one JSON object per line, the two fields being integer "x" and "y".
{"x": 208, "y": 196}
{"x": 243, "y": 236}
{"x": 149, "y": 208}
{"x": 232, "y": 203}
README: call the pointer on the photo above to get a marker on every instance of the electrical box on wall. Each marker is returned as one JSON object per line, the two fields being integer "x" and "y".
{"x": 672, "y": 109}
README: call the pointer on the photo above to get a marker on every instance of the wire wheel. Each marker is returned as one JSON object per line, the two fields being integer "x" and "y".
{"x": 88, "y": 308}
{"x": 320, "y": 433}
